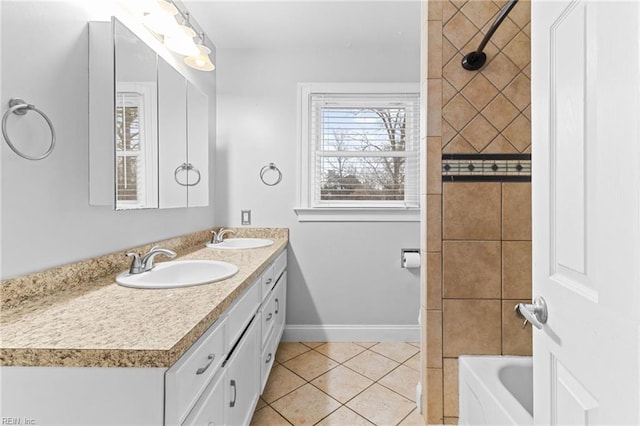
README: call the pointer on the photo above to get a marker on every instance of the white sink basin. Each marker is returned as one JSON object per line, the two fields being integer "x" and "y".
{"x": 179, "y": 273}
{"x": 241, "y": 243}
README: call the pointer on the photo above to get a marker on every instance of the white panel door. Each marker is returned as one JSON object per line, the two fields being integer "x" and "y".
{"x": 198, "y": 146}
{"x": 172, "y": 136}
{"x": 586, "y": 211}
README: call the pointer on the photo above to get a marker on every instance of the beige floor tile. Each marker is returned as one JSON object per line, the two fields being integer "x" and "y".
{"x": 413, "y": 362}
{"x": 260, "y": 404}
{"x": 306, "y": 405}
{"x": 267, "y": 416}
{"x": 413, "y": 419}
{"x": 288, "y": 350}
{"x": 340, "y": 351}
{"x": 365, "y": 344}
{"x": 381, "y": 406}
{"x": 397, "y": 351}
{"x": 343, "y": 417}
{"x": 281, "y": 382}
{"x": 310, "y": 365}
{"x": 312, "y": 344}
{"x": 371, "y": 365}
{"x": 416, "y": 344}
{"x": 402, "y": 380}
{"x": 342, "y": 383}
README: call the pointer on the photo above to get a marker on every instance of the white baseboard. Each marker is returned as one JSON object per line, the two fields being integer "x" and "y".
{"x": 351, "y": 333}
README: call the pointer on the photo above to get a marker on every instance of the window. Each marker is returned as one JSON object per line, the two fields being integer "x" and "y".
{"x": 359, "y": 152}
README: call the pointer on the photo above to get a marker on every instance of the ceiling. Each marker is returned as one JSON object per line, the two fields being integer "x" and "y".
{"x": 243, "y": 24}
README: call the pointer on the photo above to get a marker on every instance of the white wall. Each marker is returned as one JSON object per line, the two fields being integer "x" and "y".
{"x": 46, "y": 217}
{"x": 339, "y": 273}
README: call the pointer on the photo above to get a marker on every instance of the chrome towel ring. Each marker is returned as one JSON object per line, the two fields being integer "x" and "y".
{"x": 265, "y": 169}
{"x": 186, "y": 167}
{"x": 20, "y": 107}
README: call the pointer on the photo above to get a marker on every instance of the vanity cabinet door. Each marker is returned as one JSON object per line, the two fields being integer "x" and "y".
{"x": 242, "y": 378}
{"x": 172, "y": 136}
{"x": 280, "y": 305}
{"x": 197, "y": 146}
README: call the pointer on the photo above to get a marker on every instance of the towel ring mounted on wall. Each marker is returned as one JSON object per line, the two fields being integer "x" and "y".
{"x": 20, "y": 107}
{"x": 265, "y": 169}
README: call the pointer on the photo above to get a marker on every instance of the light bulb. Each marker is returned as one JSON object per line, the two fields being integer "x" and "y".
{"x": 182, "y": 41}
{"x": 160, "y": 22}
{"x": 200, "y": 61}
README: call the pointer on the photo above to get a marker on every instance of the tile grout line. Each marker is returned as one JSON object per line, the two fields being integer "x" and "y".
{"x": 267, "y": 404}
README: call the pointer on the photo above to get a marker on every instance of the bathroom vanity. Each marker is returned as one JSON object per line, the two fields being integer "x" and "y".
{"x": 116, "y": 355}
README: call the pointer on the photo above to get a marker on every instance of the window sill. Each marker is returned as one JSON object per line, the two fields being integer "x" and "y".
{"x": 357, "y": 215}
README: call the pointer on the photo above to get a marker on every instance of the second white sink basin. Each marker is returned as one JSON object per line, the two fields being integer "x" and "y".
{"x": 241, "y": 243}
{"x": 179, "y": 273}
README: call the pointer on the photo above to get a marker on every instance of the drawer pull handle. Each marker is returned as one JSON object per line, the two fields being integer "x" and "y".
{"x": 277, "y": 306}
{"x": 268, "y": 358}
{"x": 201, "y": 370}
{"x": 269, "y": 316}
{"x": 233, "y": 402}
{"x": 268, "y": 281}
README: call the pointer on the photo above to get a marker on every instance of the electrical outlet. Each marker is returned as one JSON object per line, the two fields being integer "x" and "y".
{"x": 245, "y": 217}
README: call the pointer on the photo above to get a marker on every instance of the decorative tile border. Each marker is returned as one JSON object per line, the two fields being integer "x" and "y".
{"x": 486, "y": 167}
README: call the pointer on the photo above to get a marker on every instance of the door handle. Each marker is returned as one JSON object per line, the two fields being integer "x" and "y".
{"x": 233, "y": 402}
{"x": 277, "y": 306}
{"x": 535, "y": 313}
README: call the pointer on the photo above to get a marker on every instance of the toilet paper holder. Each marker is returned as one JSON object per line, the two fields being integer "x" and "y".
{"x": 407, "y": 250}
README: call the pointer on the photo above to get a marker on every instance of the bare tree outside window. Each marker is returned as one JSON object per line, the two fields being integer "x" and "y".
{"x": 363, "y": 153}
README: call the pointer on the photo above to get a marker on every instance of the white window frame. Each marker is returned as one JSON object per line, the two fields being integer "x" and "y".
{"x": 357, "y": 211}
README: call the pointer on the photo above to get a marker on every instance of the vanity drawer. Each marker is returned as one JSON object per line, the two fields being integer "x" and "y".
{"x": 268, "y": 281}
{"x": 280, "y": 264}
{"x": 266, "y": 361}
{"x": 188, "y": 377}
{"x": 268, "y": 318}
{"x": 210, "y": 407}
{"x": 242, "y": 311}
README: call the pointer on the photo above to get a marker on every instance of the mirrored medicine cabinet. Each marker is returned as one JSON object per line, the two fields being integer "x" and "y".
{"x": 148, "y": 137}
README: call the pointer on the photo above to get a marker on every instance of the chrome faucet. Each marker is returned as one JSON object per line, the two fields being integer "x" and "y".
{"x": 144, "y": 264}
{"x": 218, "y": 237}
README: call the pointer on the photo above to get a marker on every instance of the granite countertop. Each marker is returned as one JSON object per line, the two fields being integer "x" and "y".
{"x": 107, "y": 325}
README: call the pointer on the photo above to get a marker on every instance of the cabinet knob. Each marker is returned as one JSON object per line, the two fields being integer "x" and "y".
{"x": 268, "y": 281}
{"x": 268, "y": 358}
{"x": 277, "y": 306}
{"x": 269, "y": 316}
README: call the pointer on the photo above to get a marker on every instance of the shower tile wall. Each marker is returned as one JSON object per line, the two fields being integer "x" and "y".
{"x": 478, "y": 234}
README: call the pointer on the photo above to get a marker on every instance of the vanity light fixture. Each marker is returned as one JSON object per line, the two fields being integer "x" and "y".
{"x": 201, "y": 61}
{"x": 161, "y": 18}
{"x": 182, "y": 41}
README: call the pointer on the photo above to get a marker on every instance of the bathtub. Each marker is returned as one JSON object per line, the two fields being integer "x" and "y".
{"x": 495, "y": 390}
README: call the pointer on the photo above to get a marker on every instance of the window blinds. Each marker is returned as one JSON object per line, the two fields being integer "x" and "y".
{"x": 364, "y": 150}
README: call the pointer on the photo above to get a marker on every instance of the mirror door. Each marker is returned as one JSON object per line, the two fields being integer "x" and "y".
{"x": 136, "y": 124}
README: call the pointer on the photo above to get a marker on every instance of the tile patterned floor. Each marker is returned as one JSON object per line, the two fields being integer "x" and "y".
{"x": 341, "y": 384}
